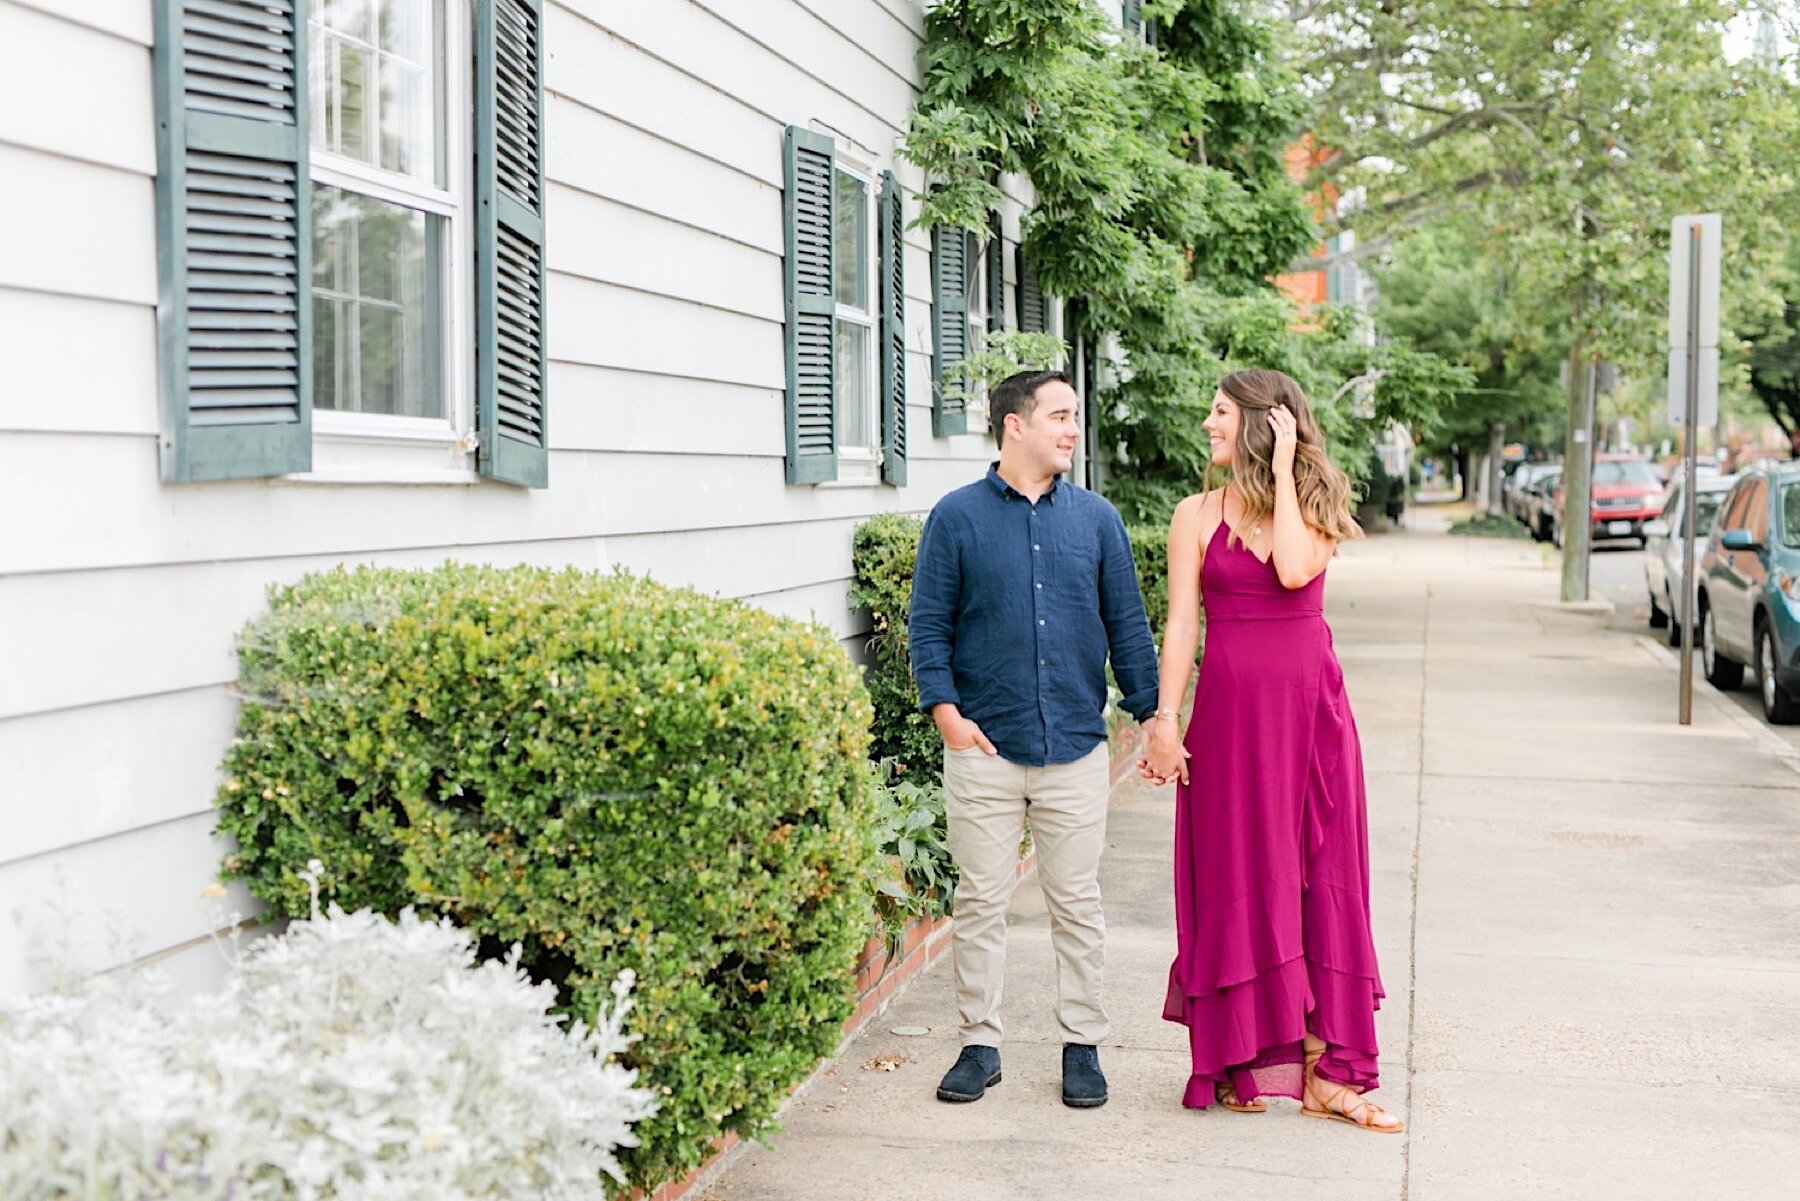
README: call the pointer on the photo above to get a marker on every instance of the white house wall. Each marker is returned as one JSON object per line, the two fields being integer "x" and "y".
{"x": 120, "y": 596}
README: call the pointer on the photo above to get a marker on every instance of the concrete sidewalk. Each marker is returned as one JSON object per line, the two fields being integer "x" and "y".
{"x": 1588, "y": 921}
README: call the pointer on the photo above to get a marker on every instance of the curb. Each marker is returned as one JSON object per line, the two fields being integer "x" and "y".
{"x": 1705, "y": 693}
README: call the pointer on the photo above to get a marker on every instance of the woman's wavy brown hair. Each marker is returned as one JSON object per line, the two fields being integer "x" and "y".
{"x": 1323, "y": 489}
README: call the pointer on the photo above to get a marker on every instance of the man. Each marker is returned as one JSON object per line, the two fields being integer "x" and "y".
{"x": 1024, "y": 584}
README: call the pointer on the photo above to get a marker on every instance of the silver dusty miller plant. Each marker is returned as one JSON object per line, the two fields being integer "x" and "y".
{"x": 350, "y": 1057}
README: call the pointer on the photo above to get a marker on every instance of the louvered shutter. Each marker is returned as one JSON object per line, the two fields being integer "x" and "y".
{"x": 996, "y": 274}
{"x": 511, "y": 364}
{"x": 893, "y": 332}
{"x": 234, "y": 233}
{"x": 1131, "y": 17}
{"x": 1034, "y": 306}
{"x": 950, "y": 255}
{"x": 809, "y": 161}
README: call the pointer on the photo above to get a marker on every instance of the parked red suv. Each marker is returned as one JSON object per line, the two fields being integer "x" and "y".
{"x": 1627, "y": 493}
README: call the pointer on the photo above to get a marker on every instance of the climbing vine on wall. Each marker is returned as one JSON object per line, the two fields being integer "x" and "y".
{"x": 1162, "y": 208}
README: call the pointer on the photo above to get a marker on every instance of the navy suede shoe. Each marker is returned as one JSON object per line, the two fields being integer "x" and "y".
{"x": 1084, "y": 1085}
{"x": 976, "y": 1069}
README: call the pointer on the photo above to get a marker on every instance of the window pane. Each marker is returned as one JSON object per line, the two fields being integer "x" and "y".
{"x": 1790, "y": 514}
{"x": 376, "y": 288}
{"x": 376, "y": 85}
{"x": 850, "y": 241}
{"x": 853, "y": 379}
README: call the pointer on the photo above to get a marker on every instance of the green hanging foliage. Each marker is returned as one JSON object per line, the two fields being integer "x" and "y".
{"x": 1162, "y": 207}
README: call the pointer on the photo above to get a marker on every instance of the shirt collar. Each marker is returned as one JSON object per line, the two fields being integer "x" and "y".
{"x": 1007, "y": 491}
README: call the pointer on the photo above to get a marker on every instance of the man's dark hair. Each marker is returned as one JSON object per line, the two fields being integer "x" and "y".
{"x": 1018, "y": 394}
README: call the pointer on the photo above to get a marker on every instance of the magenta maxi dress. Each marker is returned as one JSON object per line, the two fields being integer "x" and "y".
{"x": 1271, "y": 846}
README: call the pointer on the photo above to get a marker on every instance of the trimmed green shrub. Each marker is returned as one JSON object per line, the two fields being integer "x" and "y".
{"x": 1150, "y": 547}
{"x": 611, "y": 773}
{"x": 882, "y": 555}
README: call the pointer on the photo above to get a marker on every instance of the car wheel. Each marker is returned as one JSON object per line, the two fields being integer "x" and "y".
{"x": 1658, "y": 618}
{"x": 1778, "y": 704}
{"x": 1721, "y": 672}
{"x": 1674, "y": 621}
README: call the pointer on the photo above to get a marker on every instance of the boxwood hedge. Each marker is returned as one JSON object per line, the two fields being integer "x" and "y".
{"x": 606, "y": 771}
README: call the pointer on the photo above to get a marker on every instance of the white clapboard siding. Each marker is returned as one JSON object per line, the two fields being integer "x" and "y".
{"x": 592, "y": 67}
{"x": 128, "y": 21}
{"x": 875, "y": 77}
{"x": 603, "y": 325}
{"x": 767, "y": 79}
{"x": 585, "y": 149}
{"x": 114, "y": 900}
{"x": 75, "y": 775}
{"x": 70, "y": 363}
{"x": 111, "y": 512}
{"x": 879, "y": 30}
{"x": 607, "y": 409}
{"x": 47, "y": 105}
{"x": 606, "y": 242}
{"x": 91, "y": 228}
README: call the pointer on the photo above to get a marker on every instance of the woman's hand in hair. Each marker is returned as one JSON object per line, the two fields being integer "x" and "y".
{"x": 1287, "y": 440}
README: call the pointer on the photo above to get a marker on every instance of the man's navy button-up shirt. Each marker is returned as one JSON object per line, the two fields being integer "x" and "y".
{"x": 1015, "y": 607}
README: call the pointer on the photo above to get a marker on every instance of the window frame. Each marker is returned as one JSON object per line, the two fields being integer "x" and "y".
{"x": 860, "y": 465}
{"x": 350, "y": 447}
{"x": 975, "y": 320}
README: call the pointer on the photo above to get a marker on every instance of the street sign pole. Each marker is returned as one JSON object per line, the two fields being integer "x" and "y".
{"x": 1695, "y": 256}
{"x": 1587, "y": 505}
{"x": 1689, "y": 473}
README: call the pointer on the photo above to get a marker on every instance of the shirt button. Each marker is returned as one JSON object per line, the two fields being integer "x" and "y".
{"x": 1035, "y": 546}
{"x": 1043, "y": 662}
{"x": 1040, "y": 621}
{"x": 1037, "y": 585}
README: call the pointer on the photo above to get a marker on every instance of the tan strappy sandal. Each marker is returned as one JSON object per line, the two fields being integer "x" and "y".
{"x": 1227, "y": 1096}
{"x": 1358, "y": 1111}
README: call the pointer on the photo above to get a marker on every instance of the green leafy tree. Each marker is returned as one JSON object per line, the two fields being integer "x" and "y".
{"x": 1571, "y": 134}
{"x": 1161, "y": 206}
{"x": 1444, "y": 295}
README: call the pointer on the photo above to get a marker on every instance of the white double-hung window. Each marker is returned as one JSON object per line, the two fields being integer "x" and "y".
{"x": 390, "y": 234}
{"x": 854, "y": 288}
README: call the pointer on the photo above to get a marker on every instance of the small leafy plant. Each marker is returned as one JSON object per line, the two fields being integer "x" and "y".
{"x": 351, "y": 1056}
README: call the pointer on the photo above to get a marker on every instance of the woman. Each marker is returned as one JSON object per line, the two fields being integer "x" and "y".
{"x": 1274, "y": 974}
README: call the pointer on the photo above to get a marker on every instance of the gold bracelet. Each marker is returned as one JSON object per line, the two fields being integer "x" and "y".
{"x": 1166, "y": 714}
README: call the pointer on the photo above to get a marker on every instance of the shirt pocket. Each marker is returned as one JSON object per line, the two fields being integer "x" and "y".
{"x": 1077, "y": 559}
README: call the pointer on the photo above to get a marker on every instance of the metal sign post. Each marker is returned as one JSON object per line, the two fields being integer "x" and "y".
{"x": 1694, "y": 246}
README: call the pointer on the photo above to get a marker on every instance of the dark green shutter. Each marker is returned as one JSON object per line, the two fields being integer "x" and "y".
{"x": 511, "y": 366}
{"x": 996, "y": 274}
{"x": 234, "y": 227}
{"x": 808, "y": 162}
{"x": 1131, "y": 17}
{"x": 893, "y": 332}
{"x": 950, "y": 256}
{"x": 1034, "y": 306}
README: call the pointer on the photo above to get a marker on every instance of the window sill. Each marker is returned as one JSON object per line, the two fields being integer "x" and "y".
{"x": 856, "y": 470}
{"x": 416, "y": 453}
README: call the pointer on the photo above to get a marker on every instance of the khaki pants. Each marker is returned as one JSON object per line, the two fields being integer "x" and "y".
{"x": 986, "y": 797}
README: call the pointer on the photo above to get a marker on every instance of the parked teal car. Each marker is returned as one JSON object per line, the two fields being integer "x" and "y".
{"x": 1750, "y": 589}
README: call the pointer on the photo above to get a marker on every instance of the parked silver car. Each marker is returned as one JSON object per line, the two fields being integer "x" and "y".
{"x": 1662, "y": 546}
{"x": 1517, "y": 486}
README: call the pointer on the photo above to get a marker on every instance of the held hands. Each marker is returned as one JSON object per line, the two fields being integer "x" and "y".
{"x": 1287, "y": 438}
{"x": 1164, "y": 757}
{"x": 958, "y": 732}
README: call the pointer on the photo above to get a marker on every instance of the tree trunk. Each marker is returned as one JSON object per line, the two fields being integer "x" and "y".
{"x": 1496, "y": 446}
